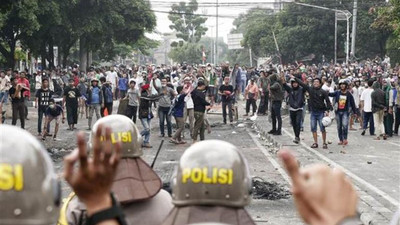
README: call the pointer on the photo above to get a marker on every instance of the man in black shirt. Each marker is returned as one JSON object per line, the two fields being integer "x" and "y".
{"x": 53, "y": 112}
{"x": 71, "y": 95}
{"x": 43, "y": 96}
{"x": 226, "y": 91}
{"x": 200, "y": 103}
{"x": 18, "y": 107}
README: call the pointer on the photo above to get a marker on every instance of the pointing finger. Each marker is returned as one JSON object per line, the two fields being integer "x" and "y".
{"x": 292, "y": 167}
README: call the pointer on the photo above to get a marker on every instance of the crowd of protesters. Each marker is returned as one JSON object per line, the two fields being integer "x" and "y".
{"x": 365, "y": 92}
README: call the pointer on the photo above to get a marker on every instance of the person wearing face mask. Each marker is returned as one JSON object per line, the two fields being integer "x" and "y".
{"x": 53, "y": 112}
{"x": 70, "y": 100}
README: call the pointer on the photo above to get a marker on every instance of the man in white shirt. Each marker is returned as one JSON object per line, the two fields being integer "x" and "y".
{"x": 112, "y": 77}
{"x": 366, "y": 104}
{"x": 189, "y": 106}
{"x": 356, "y": 92}
{"x": 5, "y": 85}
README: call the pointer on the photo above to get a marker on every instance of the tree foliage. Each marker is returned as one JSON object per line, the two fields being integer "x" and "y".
{"x": 95, "y": 24}
{"x": 304, "y": 31}
{"x": 189, "y": 26}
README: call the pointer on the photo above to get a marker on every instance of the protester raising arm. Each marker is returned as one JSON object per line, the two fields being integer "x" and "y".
{"x": 93, "y": 179}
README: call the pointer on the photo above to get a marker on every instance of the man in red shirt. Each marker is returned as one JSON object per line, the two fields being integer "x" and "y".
{"x": 27, "y": 93}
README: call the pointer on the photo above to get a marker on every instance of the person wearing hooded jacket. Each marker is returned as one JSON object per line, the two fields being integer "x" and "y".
{"x": 343, "y": 101}
{"x": 319, "y": 104}
{"x": 296, "y": 104}
{"x": 378, "y": 109}
{"x": 276, "y": 95}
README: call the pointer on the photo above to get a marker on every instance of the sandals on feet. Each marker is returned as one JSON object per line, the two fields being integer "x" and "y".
{"x": 325, "y": 146}
{"x": 315, "y": 145}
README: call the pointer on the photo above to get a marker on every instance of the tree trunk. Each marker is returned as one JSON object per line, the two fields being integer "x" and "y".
{"x": 43, "y": 55}
{"x": 51, "y": 54}
{"x": 83, "y": 53}
{"x": 89, "y": 58}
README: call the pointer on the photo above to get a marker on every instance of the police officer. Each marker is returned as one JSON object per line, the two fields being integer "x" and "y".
{"x": 136, "y": 186}
{"x": 30, "y": 192}
{"x": 212, "y": 184}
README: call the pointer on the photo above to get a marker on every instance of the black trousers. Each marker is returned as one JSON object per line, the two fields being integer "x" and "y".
{"x": 296, "y": 117}
{"x": 18, "y": 110}
{"x": 276, "y": 115}
{"x": 72, "y": 113}
{"x": 224, "y": 105}
{"x": 131, "y": 112}
{"x": 263, "y": 107}
{"x": 251, "y": 102}
{"x": 397, "y": 119}
{"x": 108, "y": 106}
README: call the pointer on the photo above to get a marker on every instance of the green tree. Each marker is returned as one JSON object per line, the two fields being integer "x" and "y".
{"x": 188, "y": 52}
{"x": 189, "y": 26}
{"x": 17, "y": 18}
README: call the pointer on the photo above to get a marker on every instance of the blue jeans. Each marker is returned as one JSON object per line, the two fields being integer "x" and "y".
{"x": 243, "y": 84}
{"x": 162, "y": 115}
{"x": 146, "y": 130}
{"x": 342, "y": 122}
{"x": 316, "y": 117}
{"x": 368, "y": 117}
{"x": 4, "y": 97}
{"x": 276, "y": 115}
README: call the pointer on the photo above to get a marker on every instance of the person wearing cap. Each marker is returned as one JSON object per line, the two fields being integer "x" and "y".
{"x": 319, "y": 104}
{"x": 296, "y": 104}
{"x": 133, "y": 100}
{"x": 95, "y": 100}
{"x": 70, "y": 101}
{"x": 212, "y": 184}
{"x": 251, "y": 95}
{"x": 200, "y": 104}
{"x": 344, "y": 103}
{"x": 135, "y": 185}
{"x": 53, "y": 112}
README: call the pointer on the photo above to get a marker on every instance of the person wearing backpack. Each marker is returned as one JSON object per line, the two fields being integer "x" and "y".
{"x": 107, "y": 91}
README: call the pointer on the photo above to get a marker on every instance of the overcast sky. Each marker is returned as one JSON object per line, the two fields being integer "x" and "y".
{"x": 228, "y": 10}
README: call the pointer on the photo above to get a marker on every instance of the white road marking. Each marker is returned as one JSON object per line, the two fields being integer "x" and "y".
{"x": 274, "y": 163}
{"x": 348, "y": 173}
{"x": 392, "y": 143}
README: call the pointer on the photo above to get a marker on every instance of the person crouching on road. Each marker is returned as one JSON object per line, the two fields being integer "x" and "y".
{"x": 53, "y": 112}
{"x": 296, "y": 104}
{"x": 343, "y": 101}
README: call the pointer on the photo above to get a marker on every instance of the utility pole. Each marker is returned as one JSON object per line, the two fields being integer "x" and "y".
{"x": 347, "y": 40}
{"x": 216, "y": 34}
{"x": 335, "y": 38}
{"x": 354, "y": 30}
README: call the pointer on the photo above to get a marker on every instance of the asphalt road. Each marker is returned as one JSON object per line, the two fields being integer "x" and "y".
{"x": 374, "y": 166}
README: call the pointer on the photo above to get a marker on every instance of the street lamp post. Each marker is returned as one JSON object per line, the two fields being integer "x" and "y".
{"x": 338, "y": 12}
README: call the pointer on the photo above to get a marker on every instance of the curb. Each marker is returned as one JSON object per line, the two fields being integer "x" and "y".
{"x": 366, "y": 218}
